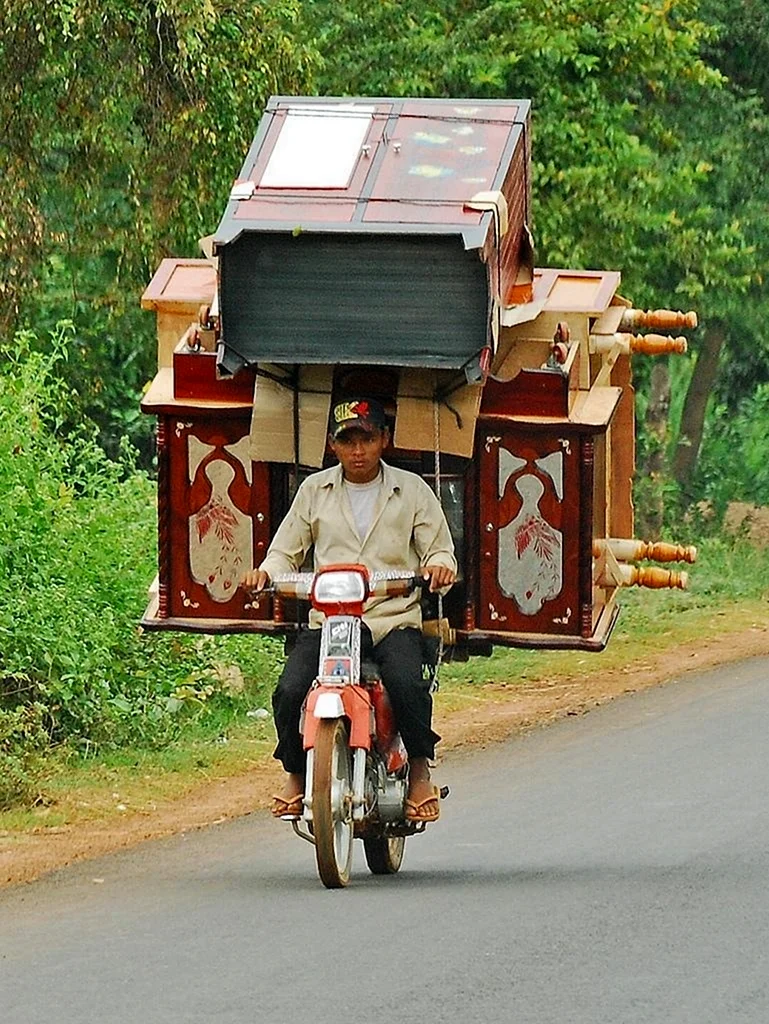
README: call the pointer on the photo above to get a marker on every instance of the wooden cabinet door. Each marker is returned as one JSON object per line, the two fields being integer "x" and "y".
{"x": 215, "y": 507}
{"x": 529, "y": 525}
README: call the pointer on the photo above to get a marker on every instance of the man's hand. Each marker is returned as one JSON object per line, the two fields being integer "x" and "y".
{"x": 439, "y": 576}
{"x": 255, "y": 580}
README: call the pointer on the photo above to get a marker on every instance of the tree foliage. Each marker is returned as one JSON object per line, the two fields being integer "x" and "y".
{"x": 124, "y": 123}
{"x": 648, "y": 157}
{"x": 77, "y": 549}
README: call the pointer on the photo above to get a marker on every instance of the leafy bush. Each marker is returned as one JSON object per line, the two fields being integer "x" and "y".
{"x": 22, "y": 740}
{"x": 721, "y": 477}
{"x": 77, "y": 549}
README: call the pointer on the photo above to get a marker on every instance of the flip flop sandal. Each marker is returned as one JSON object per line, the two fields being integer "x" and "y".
{"x": 418, "y": 811}
{"x": 290, "y": 810}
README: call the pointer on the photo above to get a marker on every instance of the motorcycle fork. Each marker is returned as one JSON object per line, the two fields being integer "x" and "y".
{"x": 358, "y": 784}
{"x": 339, "y": 667}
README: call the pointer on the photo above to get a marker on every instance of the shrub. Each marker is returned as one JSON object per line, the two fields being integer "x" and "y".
{"x": 22, "y": 741}
{"x": 77, "y": 550}
{"x": 721, "y": 477}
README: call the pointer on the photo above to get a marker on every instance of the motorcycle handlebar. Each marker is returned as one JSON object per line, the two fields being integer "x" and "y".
{"x": 392, "y": 583}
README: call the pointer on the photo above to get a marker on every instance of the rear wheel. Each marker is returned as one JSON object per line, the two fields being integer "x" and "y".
{"x": 384, "y": 855}
{"x": 332, "y": 803}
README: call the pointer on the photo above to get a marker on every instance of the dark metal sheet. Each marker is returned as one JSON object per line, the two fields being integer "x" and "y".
{"x": 397, "y": 300}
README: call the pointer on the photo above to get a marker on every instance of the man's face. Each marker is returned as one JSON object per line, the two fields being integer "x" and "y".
{"x": 359, "y": 452}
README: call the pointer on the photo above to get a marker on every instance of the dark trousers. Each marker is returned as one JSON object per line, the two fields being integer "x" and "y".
{"x": 399, "y": 657}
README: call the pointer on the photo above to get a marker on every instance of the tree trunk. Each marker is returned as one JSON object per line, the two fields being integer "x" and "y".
{"x": 653, "y": 469}
{"x": 695, "y": 406}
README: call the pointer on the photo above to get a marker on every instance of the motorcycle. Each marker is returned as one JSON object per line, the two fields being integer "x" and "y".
{"x": 356, "y": 764}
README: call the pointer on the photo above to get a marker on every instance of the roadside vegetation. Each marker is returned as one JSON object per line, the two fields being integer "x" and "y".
{"x": 124, "y": 124}
{"x": 88, "y": 700}
{"x": 78, "y": 550}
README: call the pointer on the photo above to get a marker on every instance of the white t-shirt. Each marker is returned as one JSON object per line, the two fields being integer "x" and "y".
{"x": 363, "y": 499}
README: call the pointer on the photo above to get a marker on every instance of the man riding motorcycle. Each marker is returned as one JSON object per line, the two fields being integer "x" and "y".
{"x": 363, "y": 511}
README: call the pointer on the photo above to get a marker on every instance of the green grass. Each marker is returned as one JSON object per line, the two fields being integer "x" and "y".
{"x": 106, "y": 787}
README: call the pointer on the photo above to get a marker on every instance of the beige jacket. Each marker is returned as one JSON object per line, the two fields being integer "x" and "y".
{"x": 409, "y": 531}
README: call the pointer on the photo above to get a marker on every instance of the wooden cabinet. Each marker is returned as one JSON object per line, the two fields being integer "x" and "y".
{"x": 217, "y": 512}
{"x": 214, "y": 513}
{"x": 375, "y": 231}
{"x": 531, "y": 521}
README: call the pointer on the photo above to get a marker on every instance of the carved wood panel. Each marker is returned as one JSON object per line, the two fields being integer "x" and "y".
{"x": 214, "y": 518}
{"x": 530, "y": 531}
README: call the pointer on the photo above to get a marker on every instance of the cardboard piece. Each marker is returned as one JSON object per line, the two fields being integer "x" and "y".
{"x": 272, "y": 421}
{"x": 415, "y": 418}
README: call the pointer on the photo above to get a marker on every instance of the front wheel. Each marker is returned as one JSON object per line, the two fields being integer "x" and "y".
{"x": 384, "y": 855}
{"x": 332, "y": 824}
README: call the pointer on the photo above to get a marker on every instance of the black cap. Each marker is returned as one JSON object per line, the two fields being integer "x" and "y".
{"x": 357, "y": 414}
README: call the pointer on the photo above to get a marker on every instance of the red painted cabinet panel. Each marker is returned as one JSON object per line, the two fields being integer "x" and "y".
{"x": 214, "y": 517}
{"x": 530, "y": 530}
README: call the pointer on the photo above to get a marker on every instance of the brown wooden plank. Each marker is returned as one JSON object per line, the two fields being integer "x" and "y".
{"x": 180, "y": 285}
{"x": 595, "y": 408}
{"x": 384, "y": 211}
{"x": 296, "y": 210}
{"x": 561, "y": 288}
{"x": 622, "y": 440}
{"x": 546, "y": 641}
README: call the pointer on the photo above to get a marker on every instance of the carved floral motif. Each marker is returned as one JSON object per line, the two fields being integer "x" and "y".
{"x": 530, "y": 552}
{"x": 221, "y": 546}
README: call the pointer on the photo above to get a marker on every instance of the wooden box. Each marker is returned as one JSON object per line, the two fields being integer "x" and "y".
{"x": 176, "y": 292}
{"x": 375, "y": 231}
{"x": 195, "y": 376}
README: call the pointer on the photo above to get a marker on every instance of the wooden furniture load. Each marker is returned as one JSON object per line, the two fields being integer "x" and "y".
{"x": 386, "y": 243}
{"x": 411, "y": 215}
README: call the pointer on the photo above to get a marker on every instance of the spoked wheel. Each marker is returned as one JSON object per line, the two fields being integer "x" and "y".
{"x": 332, "y": 803}
{"x": 384, "y": 855}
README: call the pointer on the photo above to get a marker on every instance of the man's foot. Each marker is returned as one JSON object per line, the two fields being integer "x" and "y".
{"x": 289, "y": 803}
{"x": 287, "y": 808}
{"x": 423, "y": 803}
{"x": 422, "y": 799}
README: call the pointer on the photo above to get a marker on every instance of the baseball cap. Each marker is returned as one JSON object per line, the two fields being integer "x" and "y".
{"x": 357, "y": 414}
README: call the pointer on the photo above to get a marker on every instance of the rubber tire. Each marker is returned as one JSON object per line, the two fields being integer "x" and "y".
{"x": 384, "y": 856}
{"x": 332, "y": 825}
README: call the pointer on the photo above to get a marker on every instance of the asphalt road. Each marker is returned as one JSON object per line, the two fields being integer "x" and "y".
{"x": 610, "y": 869}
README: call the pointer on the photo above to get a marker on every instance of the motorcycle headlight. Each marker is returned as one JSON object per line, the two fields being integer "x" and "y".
{"x": 342, "y": 586}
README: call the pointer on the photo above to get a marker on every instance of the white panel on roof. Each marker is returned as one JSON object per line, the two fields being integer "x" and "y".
{"x": 318, "y": 147}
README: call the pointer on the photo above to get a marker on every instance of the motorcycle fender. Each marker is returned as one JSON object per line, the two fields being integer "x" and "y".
{"x": 328, "y": 705}
{"x": 356, "y": 707}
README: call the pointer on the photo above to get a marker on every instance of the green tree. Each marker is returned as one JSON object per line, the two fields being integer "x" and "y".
{"x": 592, "y": 70}
{"x": 646, "y": 158}
{"x": 124, "y": 123}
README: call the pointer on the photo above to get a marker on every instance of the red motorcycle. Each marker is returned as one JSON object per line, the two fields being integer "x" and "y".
{"x": 357, "y": 767}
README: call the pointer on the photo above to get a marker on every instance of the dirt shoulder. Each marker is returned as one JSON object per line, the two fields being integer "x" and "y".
{"x": 501, "y": 711}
